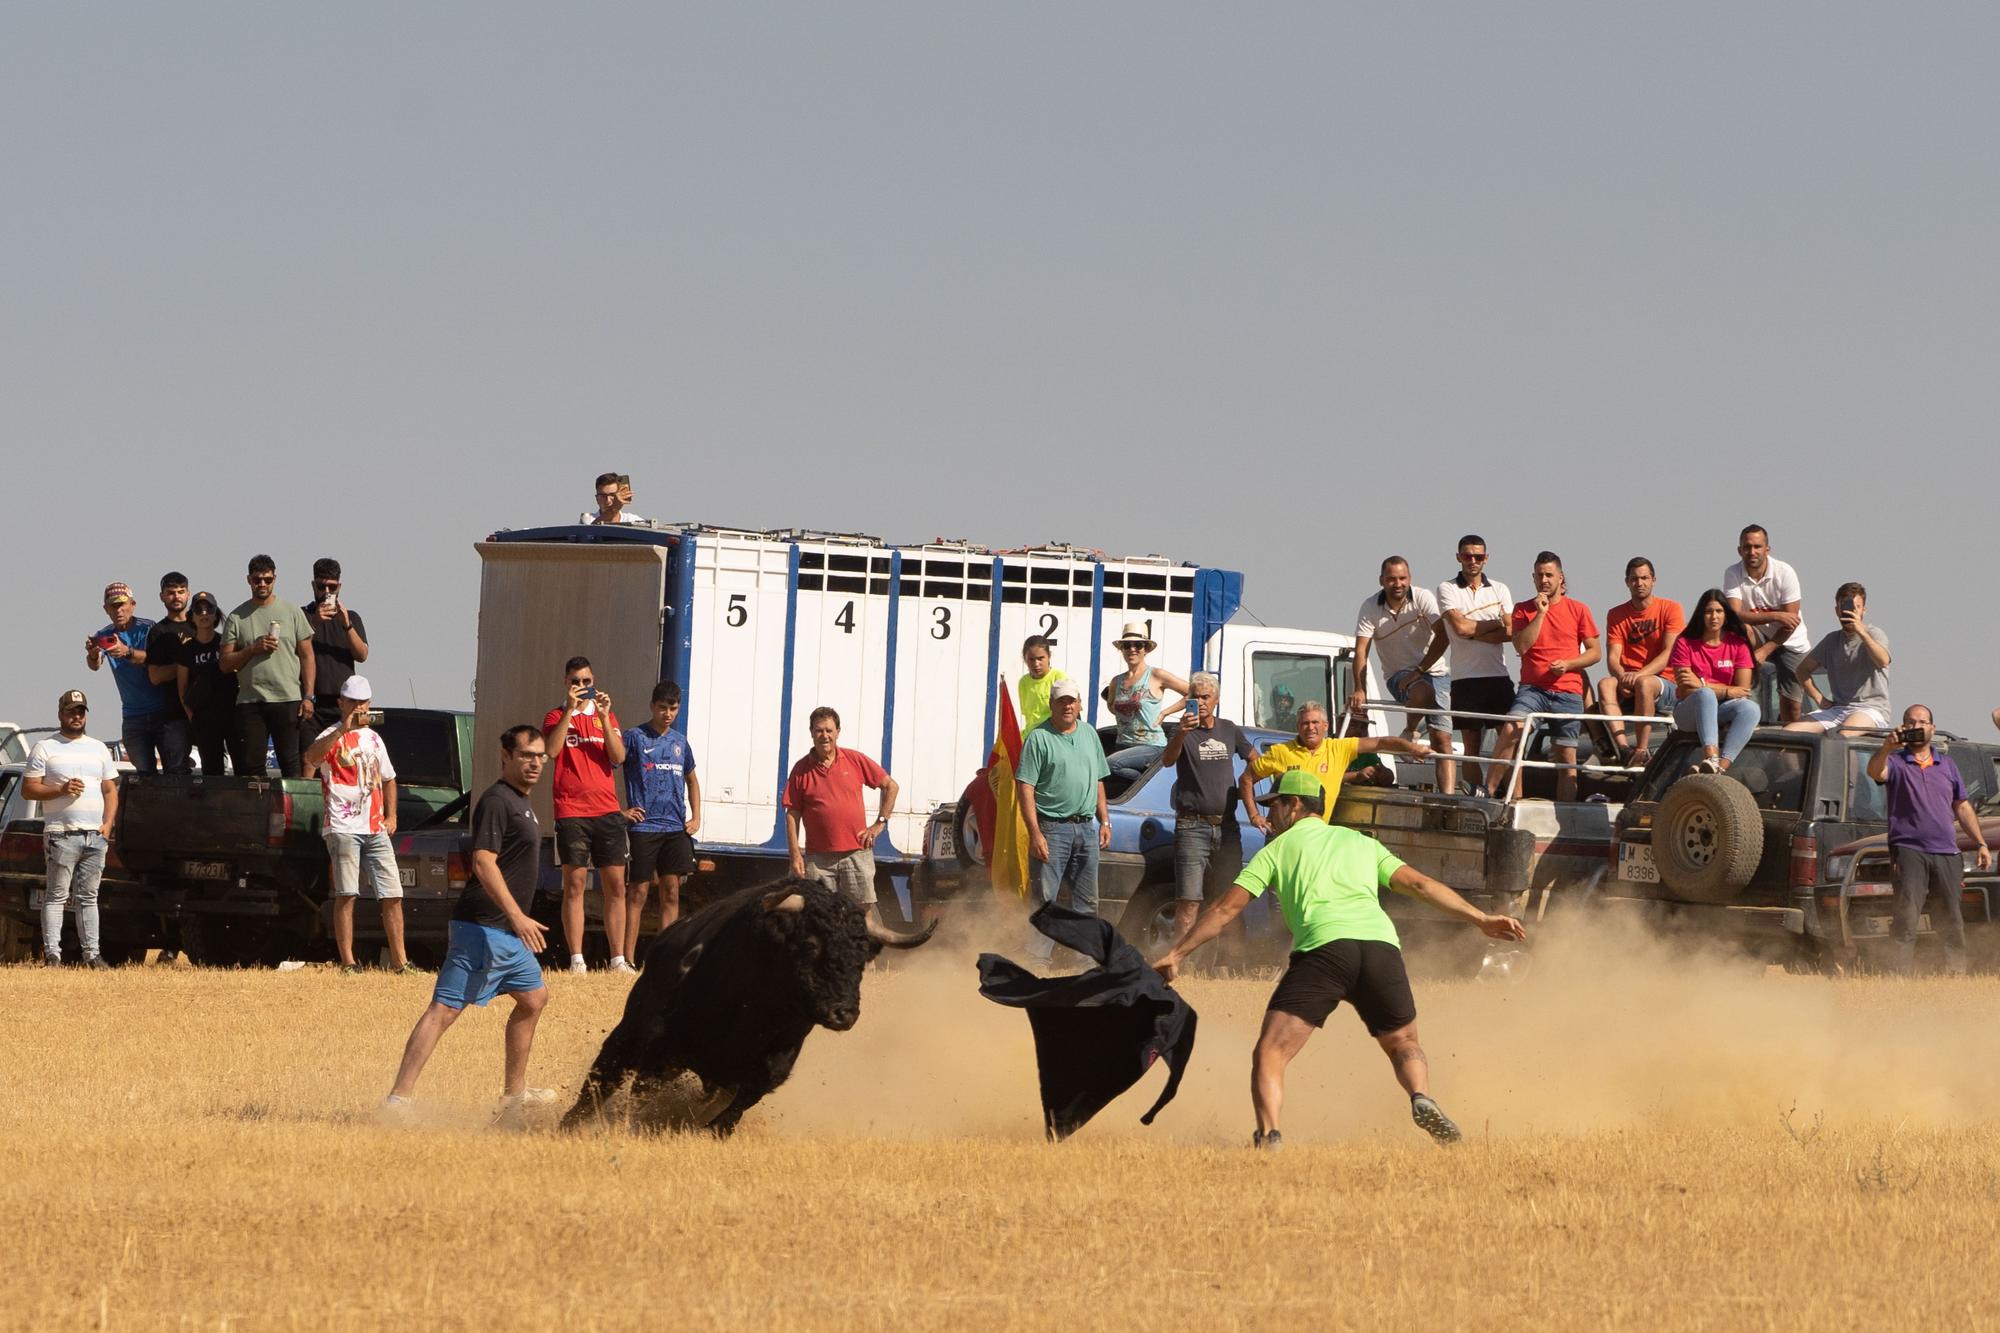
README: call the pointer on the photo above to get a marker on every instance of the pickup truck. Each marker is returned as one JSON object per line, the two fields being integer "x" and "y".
{"x": 1784, "y": 855}
{"x": 241, "y": 861}
{"x": 131, "y": 918}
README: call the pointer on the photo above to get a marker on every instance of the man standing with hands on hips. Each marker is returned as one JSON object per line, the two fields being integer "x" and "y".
{"x": 74, "y": 778}
{"x": 582, "y": 734}
{"x": 1926, "y": 794}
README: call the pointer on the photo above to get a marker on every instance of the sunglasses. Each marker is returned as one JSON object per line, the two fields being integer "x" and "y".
{"x": 1467, "y": 555}
{"x": 322, "y": 585}
{"x": 263, "y": 578}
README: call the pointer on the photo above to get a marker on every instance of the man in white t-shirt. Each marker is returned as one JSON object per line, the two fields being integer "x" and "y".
{"x": 1478, "y": 615}
{"x": 614, "y": 492}
{"x": 1766, "y": 596}
{"x": 76, "y": 780}
{"x": 357, "y": 785}
{"x": 1402, "y": 629}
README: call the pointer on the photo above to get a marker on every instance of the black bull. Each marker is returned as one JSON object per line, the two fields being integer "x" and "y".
{"x": 729, "y": 994}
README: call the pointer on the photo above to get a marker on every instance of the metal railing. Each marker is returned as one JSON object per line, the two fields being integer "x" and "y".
{"x": 1519, "y": 760}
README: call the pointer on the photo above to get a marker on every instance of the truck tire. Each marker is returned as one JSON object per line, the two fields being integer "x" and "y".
{"x": 1707, "y": 838}
{"x": 966, "y": 848}
{"x": 1148, "y": 920}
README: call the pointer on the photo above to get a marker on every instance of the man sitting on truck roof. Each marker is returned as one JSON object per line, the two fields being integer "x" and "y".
{"x": 1327, "y": 760}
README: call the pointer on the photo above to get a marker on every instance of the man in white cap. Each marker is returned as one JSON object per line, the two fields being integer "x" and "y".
{"x": 357, "y": 783}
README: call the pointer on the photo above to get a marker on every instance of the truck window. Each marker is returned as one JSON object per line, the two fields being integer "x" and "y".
{"x": 1866, "y": 798}
{"x": 1281, "y": 682}
{"x": 423, "y": 747}
{"x": 1975, "y": 765}
{"x": 10, "y": 809}
{"x": 1775, "y": 775}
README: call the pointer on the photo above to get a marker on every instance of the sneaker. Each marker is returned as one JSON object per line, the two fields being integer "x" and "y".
{"x": 1432, "y": 1120}
{"x": 537, "y": 1096}
{"x": 51, "y": 960}
{"x": 578, "y": 967}
{"x": 510, "y": 1116}
{"x": 350, "y": 969}
{"x": 168, "y": 957}
{"x": 395, "y": 1110}
{"x": 620, "y": 965}
{"x": 409, "y": 970}
{"x": 1264, "y": 1142}
{"x": 97, "y": 964}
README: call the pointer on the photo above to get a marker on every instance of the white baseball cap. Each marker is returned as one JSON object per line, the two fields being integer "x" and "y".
{"x": 356, "y": 688}
{"x": 1065, "y": 688}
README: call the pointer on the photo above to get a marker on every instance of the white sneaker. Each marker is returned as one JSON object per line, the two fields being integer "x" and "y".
{"x": 578, "y": 967}
{"x": 537, "y": 1096}
{"x": 620, "y": 965}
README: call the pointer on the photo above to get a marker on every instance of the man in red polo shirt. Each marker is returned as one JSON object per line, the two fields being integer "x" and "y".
{"x": 1556, "y": 637}
{"x": 582, "y": 733}
{"x": 823, "y": 813}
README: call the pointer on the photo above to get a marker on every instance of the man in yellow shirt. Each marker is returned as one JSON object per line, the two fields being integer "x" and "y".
{"x": 1325, "y": 759}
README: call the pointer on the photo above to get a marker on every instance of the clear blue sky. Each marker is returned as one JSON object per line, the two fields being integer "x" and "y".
{"x": 1279, "y": 288}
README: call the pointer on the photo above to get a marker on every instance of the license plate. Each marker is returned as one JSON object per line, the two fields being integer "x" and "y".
{"x": 408, "y": 874}
{"x": 1635, "y": 863}
{"x": 205, "y": 870}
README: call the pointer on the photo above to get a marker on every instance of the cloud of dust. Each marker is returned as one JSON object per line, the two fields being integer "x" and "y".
{"x": 1606, "y": 1027}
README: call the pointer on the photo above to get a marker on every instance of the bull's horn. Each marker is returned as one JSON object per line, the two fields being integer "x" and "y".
{"x": 790, "y": 902}
{"x": 889, "y": 939}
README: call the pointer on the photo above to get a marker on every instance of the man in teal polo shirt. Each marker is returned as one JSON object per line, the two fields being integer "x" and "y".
{"x": 1328, "y": 880}
{"x": 1061, "y": 781}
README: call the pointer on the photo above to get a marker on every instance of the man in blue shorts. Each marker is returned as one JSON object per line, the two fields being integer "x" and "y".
{"x": 493, "y": 939}
{"x": 1327, "y": 880}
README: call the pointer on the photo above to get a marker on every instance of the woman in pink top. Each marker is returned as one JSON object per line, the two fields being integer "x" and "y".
{"x": 1712, "y": 667}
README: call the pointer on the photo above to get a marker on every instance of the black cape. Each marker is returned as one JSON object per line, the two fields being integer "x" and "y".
{"x": 1096, "y": 1033}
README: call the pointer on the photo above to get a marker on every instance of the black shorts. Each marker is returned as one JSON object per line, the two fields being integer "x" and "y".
{"x": 1481, "y": 694}
{"x": 661, "y": 854}
{"x": 598, "y": 840}
{"x": 1368, "y": 974}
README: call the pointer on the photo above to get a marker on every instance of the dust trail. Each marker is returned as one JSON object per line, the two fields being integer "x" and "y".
{"x": 1608, "y": 1028}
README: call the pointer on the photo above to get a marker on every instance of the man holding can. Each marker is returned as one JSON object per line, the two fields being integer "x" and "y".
{"x": 267, "y": 643}
{"x": 73, "y": 776}
{"x": 150, "y": 713}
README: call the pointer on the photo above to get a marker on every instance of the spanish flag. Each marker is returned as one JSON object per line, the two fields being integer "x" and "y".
{"x": 1007, "y": 859}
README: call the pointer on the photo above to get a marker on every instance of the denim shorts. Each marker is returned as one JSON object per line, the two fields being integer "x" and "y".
{"x": 1207, "y": 857}
{"x": 481, "y": 962}
{"x": 355, "y": 855}
{"x": 1535, "y": 699}
{"x": 1399, "y": 690}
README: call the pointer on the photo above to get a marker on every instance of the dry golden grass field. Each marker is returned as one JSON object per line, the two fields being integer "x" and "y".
{"x": 191, "y": 1149}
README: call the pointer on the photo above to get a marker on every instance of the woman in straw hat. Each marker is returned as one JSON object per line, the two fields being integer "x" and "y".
{"x": 1136, "y": 696}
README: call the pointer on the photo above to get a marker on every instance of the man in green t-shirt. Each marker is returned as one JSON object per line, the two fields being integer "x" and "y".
{"x": 1061, "y": 786}
{"x": 1328, "y": 880}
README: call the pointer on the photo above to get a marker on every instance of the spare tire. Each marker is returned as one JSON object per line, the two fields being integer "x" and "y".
{"x": 1707, "y": 838}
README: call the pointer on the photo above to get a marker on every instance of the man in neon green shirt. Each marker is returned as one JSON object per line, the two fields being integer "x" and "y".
{"x": 1328, "y": 880}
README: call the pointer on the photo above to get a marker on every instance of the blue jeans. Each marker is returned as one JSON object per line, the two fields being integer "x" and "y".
{"x": 75, "y": 864}
{"x": 1072, "y": 861}
{"x": 1133, "y": 760}
{"x": 1704, "y": 714}
{"x": 1535, "y": 699}
{"x": 1204, "y": 854}
{"x": 168, "y": 732}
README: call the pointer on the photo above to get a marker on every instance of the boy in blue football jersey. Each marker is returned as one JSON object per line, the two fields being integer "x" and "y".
{"x": 665, "y": 812}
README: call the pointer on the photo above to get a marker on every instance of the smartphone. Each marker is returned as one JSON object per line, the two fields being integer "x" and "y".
{"x": 1845, "y": 605}
{"x": 590, "y": 693}
{"x": 104, "y": 641}
{"x": 1911, "y": 735}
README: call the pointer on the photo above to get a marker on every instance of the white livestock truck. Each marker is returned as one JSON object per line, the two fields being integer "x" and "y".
{"x": 911, "y": 644}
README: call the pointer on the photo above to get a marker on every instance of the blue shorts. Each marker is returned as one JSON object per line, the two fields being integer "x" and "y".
{"x": 1534, "y": 699}
{"x": 1399, "y": 690}
{"x": 482, "y": 962}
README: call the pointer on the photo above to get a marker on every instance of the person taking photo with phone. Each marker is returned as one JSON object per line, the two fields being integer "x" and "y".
{"x": 357, "y": 783}
{"x": 582, "y": 733}
{"x": 1926, "y": 795}
{"x": 1856, "y": 660}
{"x": 339, "y": 645}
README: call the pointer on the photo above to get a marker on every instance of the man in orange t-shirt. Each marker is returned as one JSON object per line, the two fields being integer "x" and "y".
{"x": 1556, "y": 638}
{"x": 1643, "y": 630}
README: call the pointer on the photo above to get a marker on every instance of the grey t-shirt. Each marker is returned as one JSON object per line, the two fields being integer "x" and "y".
{"x": 1205, "y": 775}
{"x": 270, "y": 678}
{"x": 1851, "y": 675}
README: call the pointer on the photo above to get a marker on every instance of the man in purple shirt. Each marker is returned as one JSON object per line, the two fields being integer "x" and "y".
{"x": 1926, "y": 793}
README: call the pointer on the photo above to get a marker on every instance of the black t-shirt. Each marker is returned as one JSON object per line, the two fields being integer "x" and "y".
{"x": 1204, "y": 777}
{"x": 209, "y": 686}
{"x": 166, "y": 637}
{"x": 333, "y": 655}
{"x": 502, "y": 823}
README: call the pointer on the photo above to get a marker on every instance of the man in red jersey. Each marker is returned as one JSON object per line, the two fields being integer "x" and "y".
{"x": 582, "y": 732}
